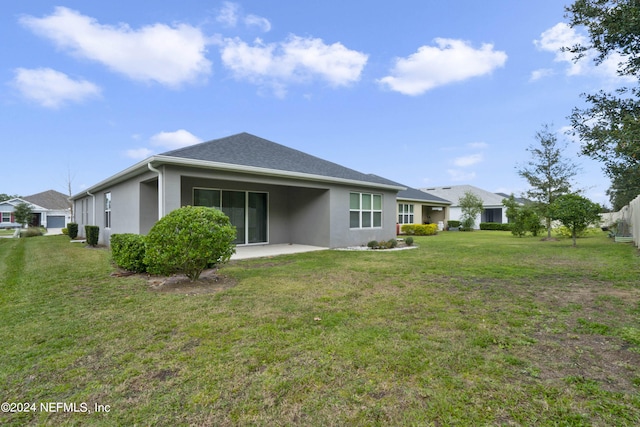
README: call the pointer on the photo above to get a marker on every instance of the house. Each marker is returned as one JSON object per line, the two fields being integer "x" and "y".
{"x": 419, "y": 207}
{"x": 494, "y": 210}
{"x": 49, "y": 209}
{"x": 272, "y": 194}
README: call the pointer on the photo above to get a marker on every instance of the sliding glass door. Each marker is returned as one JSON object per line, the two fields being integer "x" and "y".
{"x": 247, "y": 210}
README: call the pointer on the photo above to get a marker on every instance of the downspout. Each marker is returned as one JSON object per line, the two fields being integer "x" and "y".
{"x": 94, "y": 207}
{"x": 160, "y": 190}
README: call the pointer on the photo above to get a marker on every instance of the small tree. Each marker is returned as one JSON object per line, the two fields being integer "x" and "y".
{"x": 548, "y": 173}
{"x": 523, "y": 218}
{"x": 471, "y": 206}
{"x": 575, "y": 212}
{"x": 22, "y": 213}
{"x": 188, "y": 240}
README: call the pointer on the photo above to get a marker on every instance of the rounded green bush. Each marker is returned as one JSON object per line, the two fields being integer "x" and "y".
{"x": 127, "y": 251}
{"x": 188, "y": 240}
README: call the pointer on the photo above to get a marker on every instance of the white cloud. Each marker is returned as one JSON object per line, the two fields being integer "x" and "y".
{"x": 448, "y": 62}
{"x": 478, "y": 145}
{"x": 51, "y": 88}
{"x": 457, "y": 175}
{"x": 228, "y": 15}
{"x": 258, "y": 21}
{"x": 139, "y": 153}
{"x": 295, "y": 60}
{"x": 540, "y": 74}
{"x": 469, "y": 160}
{"x": 172, "y": 140}
{"x": 562, "y": 35}
{"x": 559, "y": 36}
{"x": 155, "y": 53}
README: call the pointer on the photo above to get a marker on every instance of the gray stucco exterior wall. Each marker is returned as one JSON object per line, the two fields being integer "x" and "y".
{"x": 299, "y": 211}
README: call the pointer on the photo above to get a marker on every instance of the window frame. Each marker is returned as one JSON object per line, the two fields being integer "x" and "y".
{"x": 3, "y": 217}
{"x": 107, "y": 209}
{"x": 406, "y": 211}
{"x": 367, "y": 214}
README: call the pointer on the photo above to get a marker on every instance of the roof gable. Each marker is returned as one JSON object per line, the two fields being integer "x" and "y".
{"x": 50, "y": 199}
{"x": 455, "y": 192}
{"x": 245, "y": 149}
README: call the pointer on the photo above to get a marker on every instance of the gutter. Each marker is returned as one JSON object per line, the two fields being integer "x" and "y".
{"x": 160, "y": 190}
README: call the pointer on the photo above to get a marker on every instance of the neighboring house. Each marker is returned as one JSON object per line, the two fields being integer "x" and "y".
{"x": 273, "y": 194}
{"x": 494, "y": 210}
{"x": 419, "y": 207}
{"x": 50, "y": 209}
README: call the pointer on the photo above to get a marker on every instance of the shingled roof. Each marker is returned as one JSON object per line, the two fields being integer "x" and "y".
{"x": 51, "y": 199}
{"x": 245, "y": 149}
{"x": 415, "y": 194}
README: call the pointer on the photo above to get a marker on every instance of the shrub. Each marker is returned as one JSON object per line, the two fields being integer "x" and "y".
{"x": 420, "y": 229}
{"x": 392, "y": 243}
{"x": 373, "y": 244}
{"x": 188, "y": 240}
{"x": 453, "y": 223}
{"x": 563, "y": 231}
{"x": 128, "y": 250}
{"x": 65, "y": 231}
{"x": 31, "y": 232}
{"x": 426, "y": 229}
{"x": 495, "y": 226}
{"x": 408, "y": 229}
{"x": 92, "y": 233}
{"x": 73, "y": 230}
{"x": 409, "y": 241}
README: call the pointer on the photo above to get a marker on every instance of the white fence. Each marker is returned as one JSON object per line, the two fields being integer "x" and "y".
{"x": 631, "y": 215}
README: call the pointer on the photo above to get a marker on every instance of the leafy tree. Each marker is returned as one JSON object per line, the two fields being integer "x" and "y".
{"x": 575, "y": 212}
{"x": 548, "y": 173}
{"x": 609, "y": 126}
{"x": 188, "y": 240}
{"x": 471, "y": 206}
{"x": 4, "y": 196}
{"x": 22, "y": 212}
{"x": 523, "y": 218}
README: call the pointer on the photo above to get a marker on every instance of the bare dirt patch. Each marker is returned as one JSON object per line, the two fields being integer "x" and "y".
{"x": 210, "y": 281}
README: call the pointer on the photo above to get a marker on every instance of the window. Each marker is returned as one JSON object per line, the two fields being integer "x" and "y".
{"x": 492, "y": 215}
{"x": 107, "y": 210}
{"x": 405, "y": 213}
{"x": 6, "y": 216}
{"x": 365, "y": 210}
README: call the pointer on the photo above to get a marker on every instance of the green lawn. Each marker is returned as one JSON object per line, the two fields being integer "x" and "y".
{"x": 471, "y": 329}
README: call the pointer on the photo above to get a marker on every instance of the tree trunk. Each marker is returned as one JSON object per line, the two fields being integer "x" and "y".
{"x": 548, "y": 228}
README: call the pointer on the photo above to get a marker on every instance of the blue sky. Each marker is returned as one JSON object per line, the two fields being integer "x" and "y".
{"x": 426, "y": 93}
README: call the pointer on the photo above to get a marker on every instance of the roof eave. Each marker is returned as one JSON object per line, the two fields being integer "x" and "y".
{"x": 409, "y": 199}
{"x": 158, "y": 160}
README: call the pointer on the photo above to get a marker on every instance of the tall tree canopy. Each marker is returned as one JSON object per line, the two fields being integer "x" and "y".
{"x": 548, "y": 173}
{"x": 609, "y": 127}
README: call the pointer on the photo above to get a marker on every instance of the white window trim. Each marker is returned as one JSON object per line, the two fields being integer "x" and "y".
{"x": 107, "y": 210}
{"x": 361, "y": 211}
{"x": 410, "y": 212}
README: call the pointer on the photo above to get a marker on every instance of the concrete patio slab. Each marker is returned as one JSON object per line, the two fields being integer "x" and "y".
{"x": 265, "y": 251}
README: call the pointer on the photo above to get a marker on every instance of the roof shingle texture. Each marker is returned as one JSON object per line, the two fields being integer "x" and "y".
{"x": 51, "y": 199}
{"x": 245, "y": 149}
